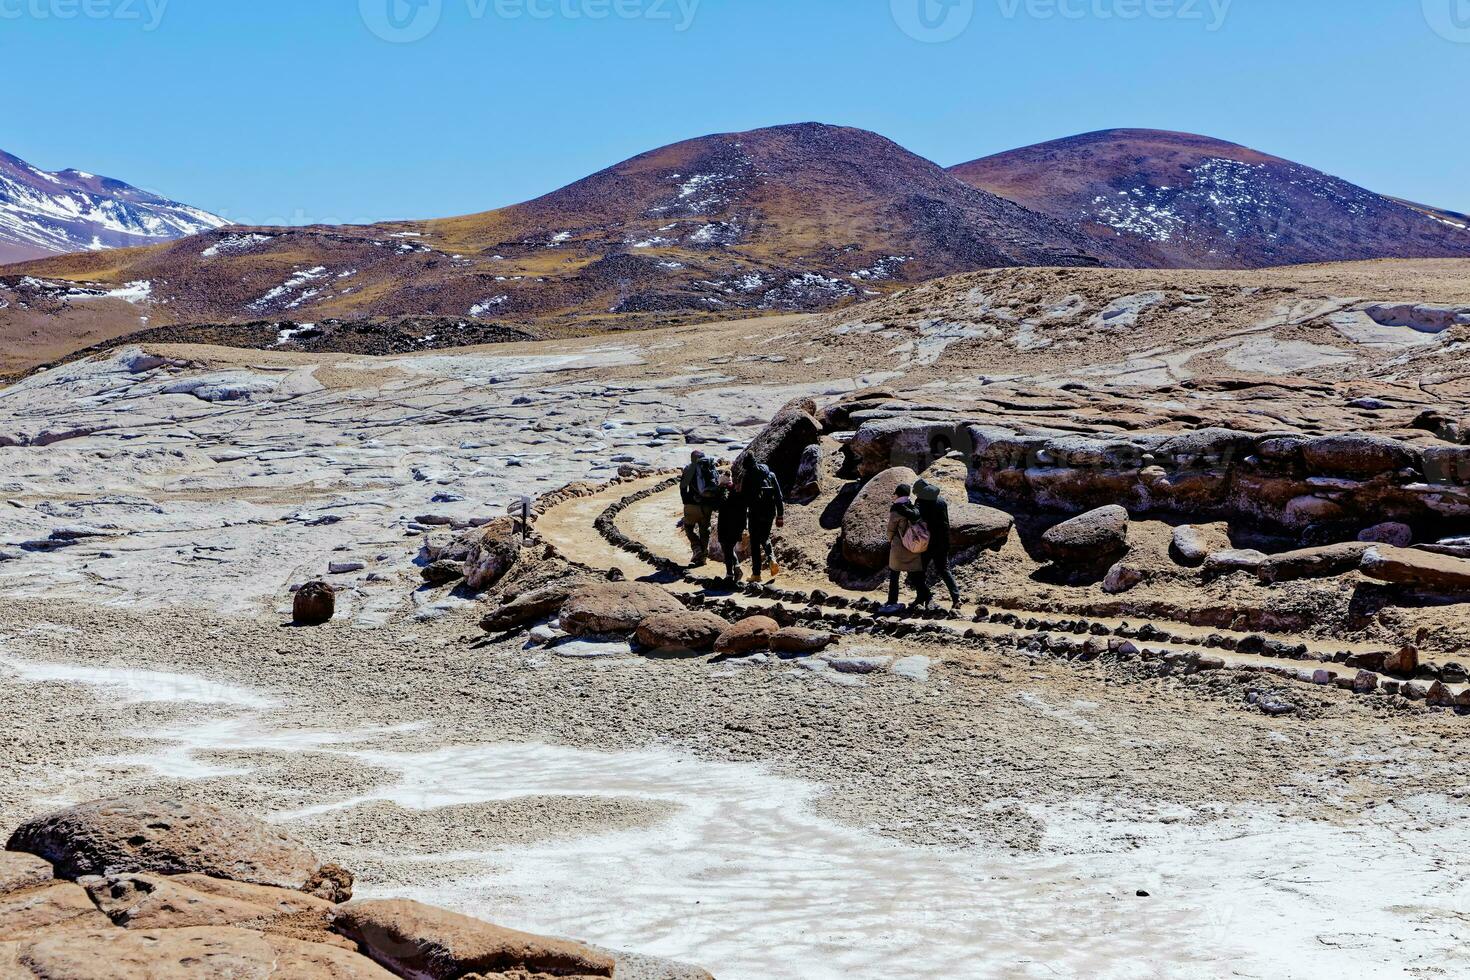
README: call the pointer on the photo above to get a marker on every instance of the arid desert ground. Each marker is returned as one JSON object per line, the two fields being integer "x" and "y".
{"x": 976, "y": 798}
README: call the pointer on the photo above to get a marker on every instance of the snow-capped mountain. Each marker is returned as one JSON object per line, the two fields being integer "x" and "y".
{"x": 43, "y": 213}
{"x": 1186, "y": 201}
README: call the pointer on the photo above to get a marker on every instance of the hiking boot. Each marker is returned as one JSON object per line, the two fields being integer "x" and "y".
{"x": 755, "y": 576}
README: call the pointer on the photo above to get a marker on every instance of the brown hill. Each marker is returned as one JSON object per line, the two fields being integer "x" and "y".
{"x": 1176, "y": 200}
{"x": 793, "y": 218}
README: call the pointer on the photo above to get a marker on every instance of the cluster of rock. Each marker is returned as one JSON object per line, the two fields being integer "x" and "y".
{"x": 660, "y": 623}
{"x": 141, "y": 887}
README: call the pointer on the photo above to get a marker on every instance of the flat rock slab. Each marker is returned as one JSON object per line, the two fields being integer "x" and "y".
{"x": 417, "y": 940}
{"x": 137, "y": 834}
{"x": 1419, "y": 569}
{"x": 110, "y": 953}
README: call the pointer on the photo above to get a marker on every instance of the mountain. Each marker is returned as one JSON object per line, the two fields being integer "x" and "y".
{"x": 1184, "y": 201}
{"x": 43, "y": 213}
{"x": 792, "y": 218}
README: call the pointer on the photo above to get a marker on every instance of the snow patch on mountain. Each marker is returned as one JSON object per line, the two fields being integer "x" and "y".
{"x": 72, "y": 211}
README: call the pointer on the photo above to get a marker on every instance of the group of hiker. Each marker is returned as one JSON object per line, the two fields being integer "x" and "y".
{"x": 749, "y": 501}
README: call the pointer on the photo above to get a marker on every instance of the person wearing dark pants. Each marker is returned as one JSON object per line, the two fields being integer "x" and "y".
{"x": 767, "y": 505}
{"x": 733, "y": 518}
{"x": 902, "y": 561}
{"x": 934, "y": 510}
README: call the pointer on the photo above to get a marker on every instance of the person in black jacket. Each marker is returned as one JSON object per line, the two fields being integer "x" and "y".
{"x": 934, "y": 510}
{"x": 733, "y": 517}
{"x": 767, "y": 509}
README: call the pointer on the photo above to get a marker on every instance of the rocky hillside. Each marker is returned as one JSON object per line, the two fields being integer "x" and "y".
{"x": 794, "y": 218}
{"x": 1174, "y": 200}
{"x": 44, "y": 213}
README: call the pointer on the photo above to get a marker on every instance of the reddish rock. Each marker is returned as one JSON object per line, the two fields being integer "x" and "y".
{"x": 149, "y": 901}
{"x": 48, "y": 906}
{"x": 748, "y": 635}
{"x": 109, "y": 953}
{"x": 417, "y": 940}
{"x": 686, "y": 630}
{"x": 614, "y": 607}
{"x": 795, "y": 639}
{"x": 314, "y": 604}
{"x": 143, "y": 834}
{"x": 19, "y": 871}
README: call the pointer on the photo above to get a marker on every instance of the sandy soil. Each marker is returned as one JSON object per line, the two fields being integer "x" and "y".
{"x": 988, "y": 814}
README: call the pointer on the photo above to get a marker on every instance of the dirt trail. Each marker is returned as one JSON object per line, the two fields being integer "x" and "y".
{"x": 652, "y": 521}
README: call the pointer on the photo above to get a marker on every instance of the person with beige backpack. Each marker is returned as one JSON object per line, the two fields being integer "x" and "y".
{"x": 908, "y": 539}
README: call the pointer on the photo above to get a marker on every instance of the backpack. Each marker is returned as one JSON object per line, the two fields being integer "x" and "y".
{"x": 767, "y": 489}
{"x": 916, "y": 537}
{"x": 707, "y": 479}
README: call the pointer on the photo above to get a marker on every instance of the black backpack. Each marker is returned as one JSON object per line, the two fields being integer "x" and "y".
{"x": 765, "y": 488}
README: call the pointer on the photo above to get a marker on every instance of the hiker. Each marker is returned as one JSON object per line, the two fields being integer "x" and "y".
{"x": 767, "y": 508}
{"x": 699, "y": 488}
{"x": 734, "y": 515}
{"x": 908, "y": 539}
{"x": 934, "y": 510}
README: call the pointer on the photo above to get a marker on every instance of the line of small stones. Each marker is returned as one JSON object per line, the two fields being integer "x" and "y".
{"x": 821, "y": 610}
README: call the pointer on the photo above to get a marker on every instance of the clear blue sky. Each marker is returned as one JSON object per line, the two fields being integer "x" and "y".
{"x": 294, "y": 110}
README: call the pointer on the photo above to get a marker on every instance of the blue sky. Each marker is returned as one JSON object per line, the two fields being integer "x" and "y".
{"x": 296, "y": 110}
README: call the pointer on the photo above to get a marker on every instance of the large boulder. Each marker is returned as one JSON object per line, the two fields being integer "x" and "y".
{"x": 210, "y": 953}
{"x": 1095, "y": 539}
{"x": 799, "y": 640}
{"x": 748, "y": 636}
{"x": 780, "y": 444}
{"x": 809, "y": 475}
{"x": 977, "y": 526}
{"x": 1325, "y": 562}
{"x": 687, "y": 629}
{"x": 415, "y": 940}
{"x": 527, "y": 608}
{"x": 1417, "y": 569}
{"x": 865, "y": 524}
{"x": 493, "y": 552}
{"x": 1358, "y": 455}
{"x": 596, "y": 608}
{"x": 146, "y": 834}
{"x": 837, "y": 417}
{"x": 911, "y": 443}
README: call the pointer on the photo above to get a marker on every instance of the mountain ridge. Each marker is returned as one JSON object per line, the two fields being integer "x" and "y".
{"x": 56, "y": 212}
{"x": 1181, "y": 200}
